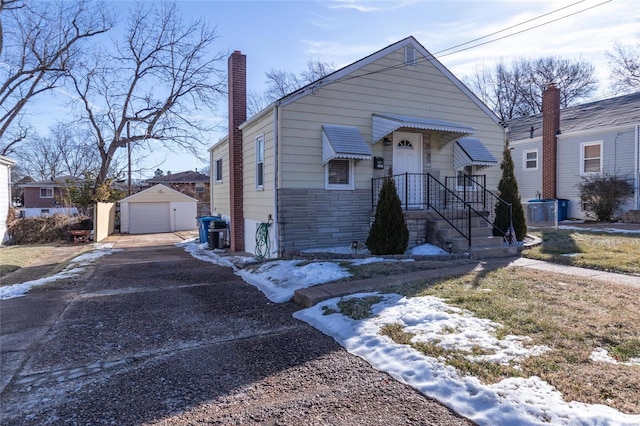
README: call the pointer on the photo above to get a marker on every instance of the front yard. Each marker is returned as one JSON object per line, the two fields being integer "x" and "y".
{"x": 612, "y": 252}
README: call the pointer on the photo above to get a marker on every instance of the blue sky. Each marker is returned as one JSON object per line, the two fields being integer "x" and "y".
{"x": 284, "y": 35}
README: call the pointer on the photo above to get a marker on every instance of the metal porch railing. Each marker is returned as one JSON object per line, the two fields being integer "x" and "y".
{"x": 456, "y": 201}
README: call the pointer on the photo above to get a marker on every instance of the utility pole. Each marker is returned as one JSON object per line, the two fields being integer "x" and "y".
{"x": 129, "y": 158}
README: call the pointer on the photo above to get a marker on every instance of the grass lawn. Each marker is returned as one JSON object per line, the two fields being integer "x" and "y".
{"x": 15, "y": 257}
{"x": 572, "y": 316}
{"x": 594, "y": 250}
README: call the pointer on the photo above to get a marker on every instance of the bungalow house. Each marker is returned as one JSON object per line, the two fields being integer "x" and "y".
{"x": 191, "y": 183}
{"x": 305, "y": 172}
{"x": 554, "y": 150}
{"x": 5, "y": 194}
{"x": 47, "y": 197}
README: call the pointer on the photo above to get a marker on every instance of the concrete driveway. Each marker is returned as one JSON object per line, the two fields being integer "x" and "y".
{"x": 154, "y": 336}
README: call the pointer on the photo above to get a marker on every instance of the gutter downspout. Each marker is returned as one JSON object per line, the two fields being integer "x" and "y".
{"x": 637, "y": 167}
{"x": 276, "y": 143}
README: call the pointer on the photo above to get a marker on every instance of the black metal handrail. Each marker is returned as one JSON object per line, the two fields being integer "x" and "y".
{"x": 423, "y": 190}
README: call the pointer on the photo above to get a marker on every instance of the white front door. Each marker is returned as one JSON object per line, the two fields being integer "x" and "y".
{"x": 407, "y": 158}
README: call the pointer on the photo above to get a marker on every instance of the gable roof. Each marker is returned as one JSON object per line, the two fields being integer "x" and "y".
{"x": 181, "y": 177}
{"x": 612, "y": 112}
{"x": 155, "y": 192}
{"x": 350, "y": 69}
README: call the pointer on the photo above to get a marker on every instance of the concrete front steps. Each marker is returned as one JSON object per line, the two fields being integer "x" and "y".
{"x": 427, "y": 226}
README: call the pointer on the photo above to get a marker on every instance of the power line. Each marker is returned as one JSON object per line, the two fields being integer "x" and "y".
{"x": 432, "y": 56}
{"x": 508, "y": 28}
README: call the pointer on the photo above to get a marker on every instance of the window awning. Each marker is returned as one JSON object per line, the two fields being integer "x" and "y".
{"x": 343, "y": 142}
{"x": 384, "y": 124}
{"x": 471, "y": 152}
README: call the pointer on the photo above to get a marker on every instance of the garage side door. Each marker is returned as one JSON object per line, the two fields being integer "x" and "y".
{"x": 149, "y": 218}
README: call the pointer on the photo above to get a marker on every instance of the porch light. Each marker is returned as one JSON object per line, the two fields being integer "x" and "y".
{"x": 386, "y": 142}
{"x": 449, "y": 247}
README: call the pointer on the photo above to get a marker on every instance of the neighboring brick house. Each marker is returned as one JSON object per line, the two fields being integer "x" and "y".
{"x": 554, "y": 150}
{"x": 191, "y": 183}
{"x": 47, "y": 197}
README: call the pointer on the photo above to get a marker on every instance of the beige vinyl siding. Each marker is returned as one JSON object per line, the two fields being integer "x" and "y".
{"x": 420, "y": 91}
{"x": 220, "y": 202}
{"x": 529, "y": 181}
{"x": 258, "y": 203}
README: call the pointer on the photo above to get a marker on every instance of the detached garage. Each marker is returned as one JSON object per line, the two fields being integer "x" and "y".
{"x": 158, "y": 209}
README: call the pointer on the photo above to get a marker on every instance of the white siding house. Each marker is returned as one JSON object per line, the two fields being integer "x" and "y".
{"x": 597, "y": 137}
{"x": 157, "y": 209}
{"x": 5, "y": 194}
{"x": 311, "y": 159}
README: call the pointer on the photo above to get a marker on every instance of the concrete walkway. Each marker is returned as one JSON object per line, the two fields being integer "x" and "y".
{"x": 310, "y": 296}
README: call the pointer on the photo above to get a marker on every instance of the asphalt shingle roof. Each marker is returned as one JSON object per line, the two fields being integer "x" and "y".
{"x": 610, "y": 112}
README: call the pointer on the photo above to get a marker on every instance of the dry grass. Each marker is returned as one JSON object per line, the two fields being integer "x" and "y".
{"x": 16, "y": 257}
{"x": 594, "y": 250}
{"x": 570, "y": 315}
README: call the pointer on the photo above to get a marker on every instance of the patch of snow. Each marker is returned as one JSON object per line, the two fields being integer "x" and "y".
{"x": 279, "y": 280}
{"x": 602, "y": 355}
{"x": 76, "y": 266}
{"x": 513, "y": 401}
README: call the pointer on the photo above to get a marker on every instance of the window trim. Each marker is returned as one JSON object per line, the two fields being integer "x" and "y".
{"x": 351, "y": 174}
{"x": 217, "y": 165}
{"x": 583, "y": 146}
{"x": 525, "y": 160}
{"x": 260, "y": 171}
{"x": 47, "y": 192}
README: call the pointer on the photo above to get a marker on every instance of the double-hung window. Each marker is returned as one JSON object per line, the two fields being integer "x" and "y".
{"x": 530, "y": 159}
{"x": 218, "y": 170}
{"x": 46, "y": 192}
{"x": 591, "y": 157}
{"x": 260, "y": 162}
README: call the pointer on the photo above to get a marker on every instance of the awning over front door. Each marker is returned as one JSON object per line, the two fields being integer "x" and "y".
{"x": 384, "y": 124}
{"x": 472, "y": 152}
{"x": 343, "y": 142}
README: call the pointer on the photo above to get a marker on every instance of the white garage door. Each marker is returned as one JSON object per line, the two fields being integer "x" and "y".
{"x": 149, "y": 218}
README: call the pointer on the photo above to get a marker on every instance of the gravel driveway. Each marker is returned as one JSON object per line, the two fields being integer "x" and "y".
{"x": 154, "y": 336}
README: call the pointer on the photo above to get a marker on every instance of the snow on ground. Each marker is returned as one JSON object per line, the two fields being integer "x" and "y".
{"x": 514, "y": 401}
{"x": 610, "y": 230}
{"x": 76, "y": 266}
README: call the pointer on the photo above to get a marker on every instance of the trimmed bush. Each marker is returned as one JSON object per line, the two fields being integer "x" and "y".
{"x": 389, "y": 233}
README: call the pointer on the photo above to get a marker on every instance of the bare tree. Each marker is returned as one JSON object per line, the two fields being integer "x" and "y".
{"x": 281, "y": 83}
{"x": 41, "y": 42}
{"x": 66, "y": 151}
{"x": 154, "y": 88}
{"x": 516, "y": 90}
{"x": 624, "y": 63}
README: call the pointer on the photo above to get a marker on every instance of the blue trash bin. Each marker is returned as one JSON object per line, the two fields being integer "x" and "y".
{"x": 563, "y": 208}
{"x": 203, "y": 227}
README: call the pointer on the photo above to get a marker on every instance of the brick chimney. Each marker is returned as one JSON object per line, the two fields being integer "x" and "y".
{"x": 237, "y": 115}
{"x": 550, "y": 131}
